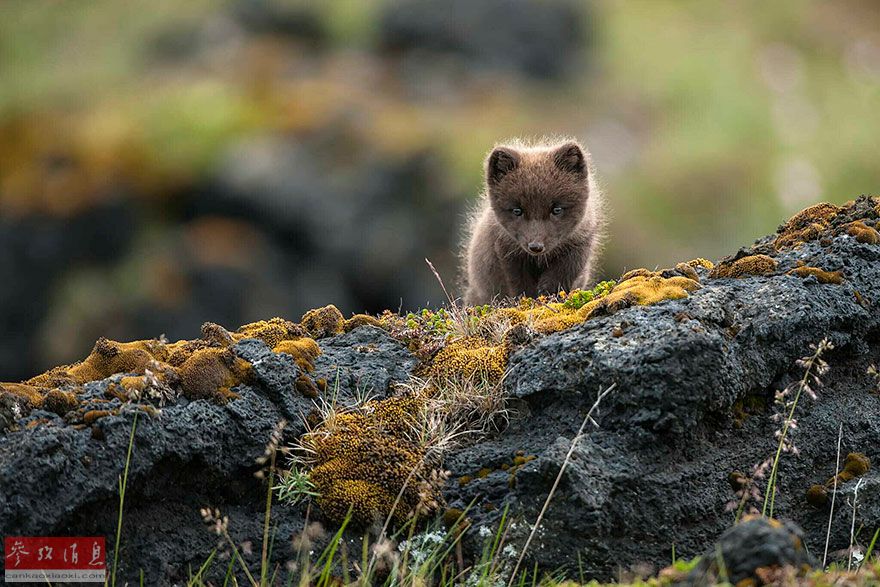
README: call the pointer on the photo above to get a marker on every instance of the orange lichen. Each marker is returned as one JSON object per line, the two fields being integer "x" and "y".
{"x": 808, "y": 224}
{"x": 323, "y": 322}
{"x": 835, "y": 277}
{"x": 863, "y": 233}
{"x": 745, "y": 266}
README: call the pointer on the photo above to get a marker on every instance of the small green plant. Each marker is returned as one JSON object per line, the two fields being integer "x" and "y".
{"x": 123, "y": 483}
{"x": 814, "y": 368}
{"x": 437, "y": 322}
{"x": 581, "y": 297}
{"x": 294, "y": 486}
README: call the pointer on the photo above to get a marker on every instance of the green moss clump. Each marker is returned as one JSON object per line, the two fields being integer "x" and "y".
{"x": 455, "y": 520}
{"x": 577, "y": 299}
{"x": 436, "y": 322}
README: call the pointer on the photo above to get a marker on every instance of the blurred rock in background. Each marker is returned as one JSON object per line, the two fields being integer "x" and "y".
{"x": 163, "y": 163}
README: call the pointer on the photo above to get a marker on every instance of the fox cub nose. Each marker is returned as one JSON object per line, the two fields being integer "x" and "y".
{"x": 536, "y": 247}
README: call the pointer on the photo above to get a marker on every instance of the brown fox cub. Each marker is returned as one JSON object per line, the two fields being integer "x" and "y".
{"x": 538, "y": 228}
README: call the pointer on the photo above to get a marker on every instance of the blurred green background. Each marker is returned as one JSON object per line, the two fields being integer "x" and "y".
{"x": 164, "y": 163}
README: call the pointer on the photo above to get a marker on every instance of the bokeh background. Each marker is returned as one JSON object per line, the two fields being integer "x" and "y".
{"x": 164, "y": 163}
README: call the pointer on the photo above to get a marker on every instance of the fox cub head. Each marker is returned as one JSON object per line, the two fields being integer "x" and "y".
{"x": 539, "y": 194}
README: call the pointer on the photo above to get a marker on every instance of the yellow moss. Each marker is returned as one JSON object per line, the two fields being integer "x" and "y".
{"x": 746, "y": 266}
{"x": 857, "y": 464}
{"x": 361, "y": 320}
{"x": 687, "y": 271}
{"x": 365, "y": 458}
{"x": 92, "y": 416}
{"x": 817, "y": 496}
{"x": 202, "y": 368}
{"x": 59, "y": 402}
{"x": 464, "y": 480}
{"x": 306, "y": 386}
{"x": 272, "y": 332}
{"x": 212, "y": 373}
{"x": 470, "y": 358}
{"x": 323, "y": 322}
{"x": 520, "y": 460}
{"x": 134, "y": 383}
{"x": 806, "y": 225}
{"x": 636, "y": 287}
{"x": 303, "y": 350}
{"x": 31, "y": 394}
{"x": 835, "y": 277}
{"x": 110, "y": 357}
{"x": 368, "y": 502}
{"x": 863, "y": 233}
{"x": 640, "y": 272}
{"x": 454, "y": 519}
{"x": 701, "y": 262}
{"x": 647, "y": 290}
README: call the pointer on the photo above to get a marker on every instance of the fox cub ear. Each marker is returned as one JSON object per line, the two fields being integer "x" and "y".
{"x": 501, "y": 162}
{"x": 570, "y": 158}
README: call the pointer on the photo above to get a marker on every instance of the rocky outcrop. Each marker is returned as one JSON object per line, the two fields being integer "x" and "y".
{"x": 695, "y": 378}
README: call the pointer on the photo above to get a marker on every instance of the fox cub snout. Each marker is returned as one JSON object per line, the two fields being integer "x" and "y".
{"x": 537, "y": 229}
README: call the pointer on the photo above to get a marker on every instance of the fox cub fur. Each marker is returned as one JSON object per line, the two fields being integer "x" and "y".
{"x": 538, "y": 227}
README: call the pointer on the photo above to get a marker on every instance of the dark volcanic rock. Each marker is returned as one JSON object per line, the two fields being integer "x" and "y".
{"x": 538, "y": 39}
{"x": 695, "y": 381}
{"x": 752, "y": 544}
{"x": 655, "y": 472}
{"x": 362, "y": 363}
{"x": 58, "y": 479}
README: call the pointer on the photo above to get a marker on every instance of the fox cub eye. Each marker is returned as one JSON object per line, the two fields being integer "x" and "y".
{"x": 517, "y": 211}
{"x": 556, "y": 211}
